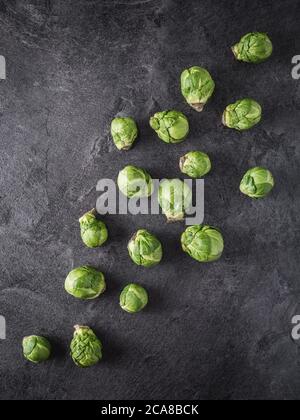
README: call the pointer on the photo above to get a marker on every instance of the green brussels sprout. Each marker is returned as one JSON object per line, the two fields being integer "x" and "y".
{"x": 93, "y": 231}
{"x": 195, "y": 164}
{"x": 242, "y": 115}
{"x": 174, "y": 197}
{"x": 133, "y": 298}
{"x": 85, "y": 283}
{"x": 135, "y": 182}
{"x": 36, "y": 349}
{"x": 170, "y": 126}
{"x": 257, "y": 183}
{"x": 254, "y": 47}
{"x": 203, "y": 243}
{"x": 86, "y": 348}
{"x": 197, "y": 86}
{"x": 145, "y": 249}
{"x": 124, "y": 132}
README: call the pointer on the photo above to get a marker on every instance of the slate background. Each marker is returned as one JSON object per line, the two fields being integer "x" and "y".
{"x": 219, "y": 331}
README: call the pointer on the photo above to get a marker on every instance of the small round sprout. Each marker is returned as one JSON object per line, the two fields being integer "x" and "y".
{"x": 85, "y": 283}
{"x": 86, "y": 348}
{"x": 93, "y": 231}
{"x": 203, "y": 243}
{"x": 242, "y": 115}
{"x": 197, "y": 86}
{"x": 145, "y": 249}
{"x": 124, "y": 132}
{"x": 170, "y": 126}
{"x": 195, "y": 164}
{"x": 257, "y": 183}
{"x": 36, "y": 349}
{"x": 175, "y": 198}
{"x": 135, "y": 182}
{"x": 254, "y": 47}
{"x": 133, "y": 298}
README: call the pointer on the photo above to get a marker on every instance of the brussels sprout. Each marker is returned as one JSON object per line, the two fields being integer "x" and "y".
{"x": 133, "y": 298}
{"x": 170, "y": 126}
{"x": 124, "y": 132}
{"x": 85, "y": 283}
{"x": 36, "y": 349}
{"x": 86, "y": 348}
{"x": 203, "y": 243}
{"x": 257, "y": 183}
{"x": 145, "y": 249}
{"x": 135, "y": 182}
{"x": 174, "y": 197}
{"x": 195, "y": 164}
{"x": 197, "y": 86}
{"x": 254, "y": 47}
{"x": 242, "y": 115}
{"x": 93, "y": 231}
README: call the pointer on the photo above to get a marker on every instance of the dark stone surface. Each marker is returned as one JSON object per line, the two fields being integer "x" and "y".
{"x": 219, "y": 331}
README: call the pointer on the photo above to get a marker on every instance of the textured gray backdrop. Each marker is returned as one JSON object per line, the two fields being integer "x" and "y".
{"x": 219, "y": 331}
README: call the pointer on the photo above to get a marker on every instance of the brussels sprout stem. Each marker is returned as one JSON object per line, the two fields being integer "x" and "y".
{"x": 79, "y": 327}
{"x": 174, "y": 219}
{"x": 198, "y": 106}
{"x": 134, "y": 237}
{"x": 181, "y": 162}
{"x": 234, "y": 50}
{"x": 93, "y": 212}
{"x": 224, "y": 119}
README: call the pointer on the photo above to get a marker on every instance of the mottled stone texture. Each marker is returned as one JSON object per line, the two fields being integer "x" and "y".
{"x": 219, "y": 331}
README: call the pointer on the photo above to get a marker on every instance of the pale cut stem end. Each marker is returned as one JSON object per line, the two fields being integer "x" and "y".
{"x": 224, "y": 119}
{"x": 174, "y": 219}
{"x": 133, "y": 238}
{"x": 198, "y": 107}
{"x": 93, "y": 212}
{"x": 181, "y": 162}
{"x": 234, "y": 50}
{"x": 79, "y": 327}
{"x": 125, "y": 148}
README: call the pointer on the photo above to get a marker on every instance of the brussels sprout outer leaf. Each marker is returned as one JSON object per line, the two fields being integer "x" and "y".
{"x": 135, "y": 182}
{"x": 203, "y": 243}
{"x": 36, "y": 349}
{"x": 195, "y": 164}
{"x": 124, "y": 132}
{"x": 197, "y": 86}
{"x": 86, "y": 348}
{"x": 133, "y": 298}
{"x": 145, "y": 249}
{"x": 170, "y": 126}
{"x": 254, "y": 47}
{"x": 242, "y": 115}
{"x": 85, "y": 283}
{"x": 93, "y": 231}
{"x": 175, "y": 198}
{"x": 257, "y": 183}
